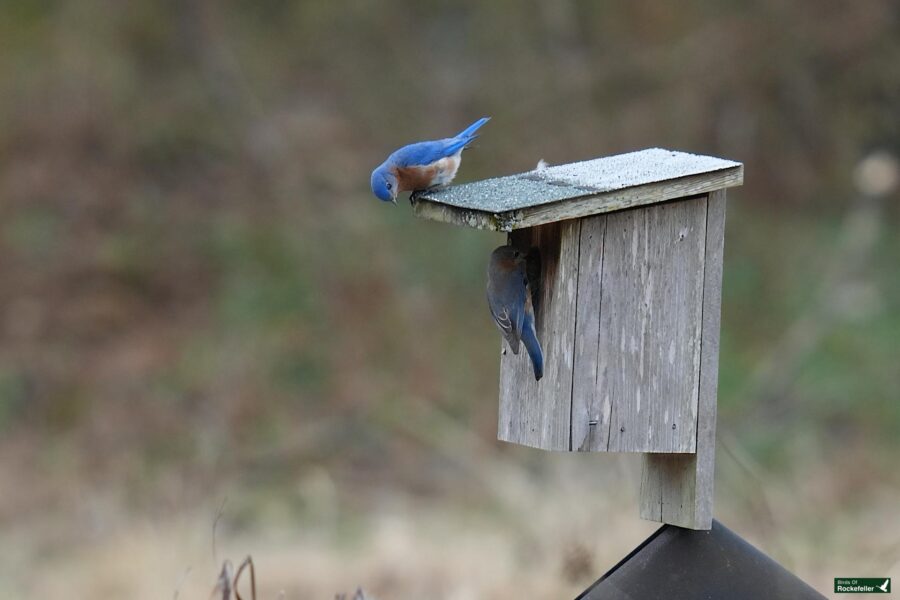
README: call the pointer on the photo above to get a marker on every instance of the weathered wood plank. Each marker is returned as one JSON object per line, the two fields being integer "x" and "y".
{"x": 709, "y": 359}
{"x": 650, "y": 494}
{"x": 665, "y": 494}
{"x": 668, "y": 490}
{"x": 534, "y": 413}
{"x": 678, "y": 489}
{"x": 590, "y": 414}
{"x": 577, "y": 190}
{"x": 649, "y": 327}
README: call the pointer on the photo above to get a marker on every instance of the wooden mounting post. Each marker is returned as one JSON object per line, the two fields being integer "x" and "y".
{"x": 627, "y": 312}
{"x": 678, "y": 488}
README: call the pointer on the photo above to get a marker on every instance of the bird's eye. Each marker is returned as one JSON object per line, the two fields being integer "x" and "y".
{"x": 515, "y": 255}
{"x": 390, "y": 186}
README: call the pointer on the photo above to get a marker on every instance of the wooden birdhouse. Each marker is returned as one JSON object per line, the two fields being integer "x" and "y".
{"x": 627, "y": 308}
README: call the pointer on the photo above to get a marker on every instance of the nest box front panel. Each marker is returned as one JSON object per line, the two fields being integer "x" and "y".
{"x": 536, "y": 413}
{"x": 619, "y": 315}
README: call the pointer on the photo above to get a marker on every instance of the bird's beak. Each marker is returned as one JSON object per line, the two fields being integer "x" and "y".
{"x": 394, "y": 200}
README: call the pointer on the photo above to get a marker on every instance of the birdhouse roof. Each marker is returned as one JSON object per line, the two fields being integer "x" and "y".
{"x": 578, "y": 189}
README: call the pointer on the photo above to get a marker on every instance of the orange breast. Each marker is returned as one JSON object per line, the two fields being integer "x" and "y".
{"x": 411, "y": 179}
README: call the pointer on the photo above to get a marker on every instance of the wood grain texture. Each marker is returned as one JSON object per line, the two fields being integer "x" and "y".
{"x": 590, "y": 407}
{"x": 649, "y": 326}
{"x": 677, "y": 488}
{"x": 619, "y": 316}
{"x": 709, "y": 360}
{"x": 580, "y": 205}
{"x": 537, "y": 413}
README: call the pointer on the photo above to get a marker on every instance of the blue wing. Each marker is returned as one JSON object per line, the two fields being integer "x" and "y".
{"x": 506, "y": 299}
{"x": 425, "y": 153}
{"x": 421, "y": 153}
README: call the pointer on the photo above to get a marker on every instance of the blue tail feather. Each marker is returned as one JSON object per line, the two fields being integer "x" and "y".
{"x": 533, "y": 346}
{"x": 464, "y": 137}
{"x": 469, "y": 131}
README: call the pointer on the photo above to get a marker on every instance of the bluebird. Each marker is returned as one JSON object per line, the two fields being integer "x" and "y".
{"x": 422, "y": 165}
{"x": 509, "y": 298}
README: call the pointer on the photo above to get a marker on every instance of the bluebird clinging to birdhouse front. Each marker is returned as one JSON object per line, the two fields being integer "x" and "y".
{"x": 422, "y": 165}
{"x": 509, "y": 298}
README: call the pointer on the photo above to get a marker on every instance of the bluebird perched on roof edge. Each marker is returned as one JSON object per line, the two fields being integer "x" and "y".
{"x": 509, "y": 299}
{"x": 422, "y": 165}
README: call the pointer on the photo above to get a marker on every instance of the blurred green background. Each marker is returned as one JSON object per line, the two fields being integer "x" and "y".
{"x": 214, "y": 341}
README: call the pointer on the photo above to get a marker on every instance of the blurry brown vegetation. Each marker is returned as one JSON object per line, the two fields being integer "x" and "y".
{"x": 229, "y": 582}
{"x": 199, "y": 296}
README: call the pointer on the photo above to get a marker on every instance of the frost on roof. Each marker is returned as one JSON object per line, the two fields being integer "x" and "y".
{"x": 578, "y": 179}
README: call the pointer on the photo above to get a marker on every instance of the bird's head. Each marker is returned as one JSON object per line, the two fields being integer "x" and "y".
{"x": 384, "y": 184}
{"x": 508, "y": 257}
